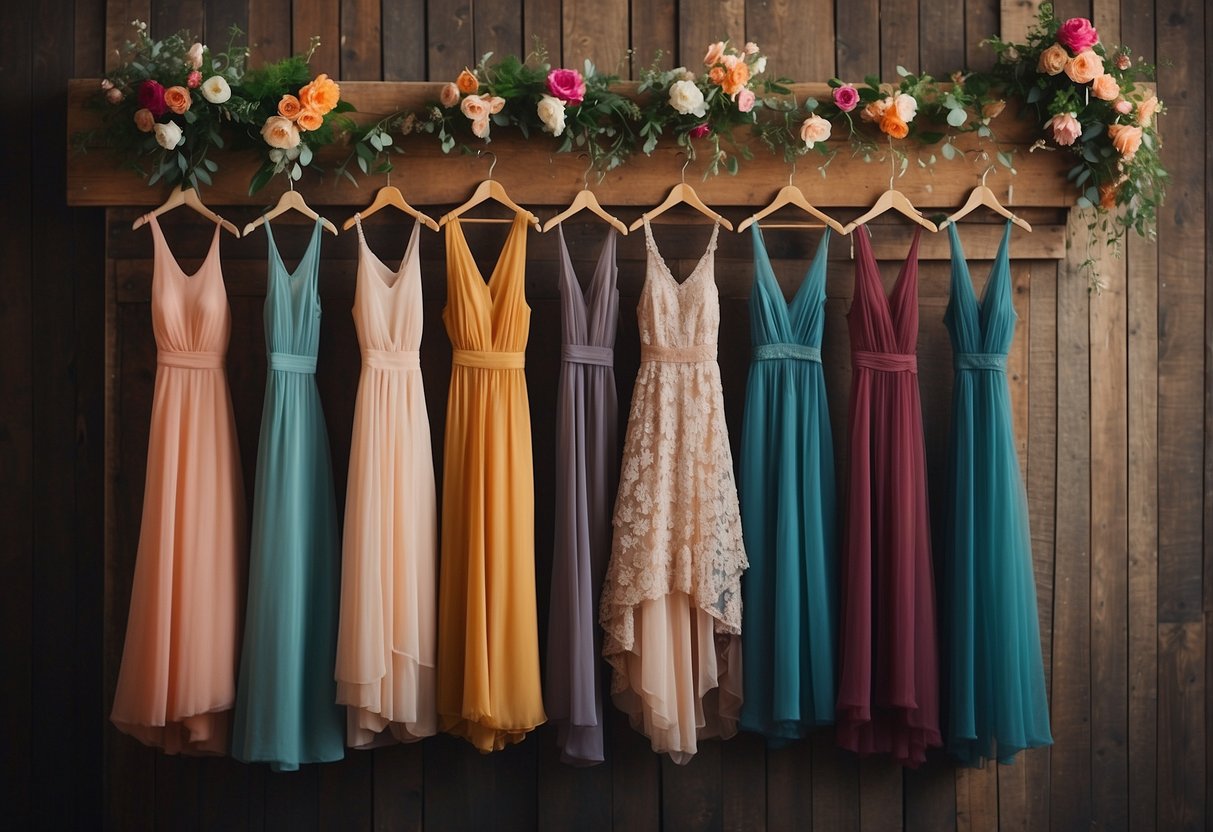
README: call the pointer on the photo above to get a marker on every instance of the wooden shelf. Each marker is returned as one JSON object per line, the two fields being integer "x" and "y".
{"x": 536, "y": 175}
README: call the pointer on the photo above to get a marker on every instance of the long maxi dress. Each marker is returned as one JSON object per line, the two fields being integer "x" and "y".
{"x": 488, "y": 687}
{"x": 286, "y": 710}
{"x": 387, "y": 639}
{"x": 997, "y": 705}
{"x": 177, "y": 681}
{"x": 671, "y": 603}
{"x": 888, "y": 697}
{"x": 787, "y": 509}
{"x": 586, "y": 476}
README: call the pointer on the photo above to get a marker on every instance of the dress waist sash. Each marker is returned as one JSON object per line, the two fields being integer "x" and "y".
{"x": 772, "y": 352}
{"x": 391, "y": 359}
{"x": 885, "y": 362}
{"x": 696, "y": 354}
{"x": 190, "y": 359}
{"x": 981, "y": 361}
{"x": 489, "y": 359}
{"x": 290, "y": 362}
{"x": 587, "y": 354}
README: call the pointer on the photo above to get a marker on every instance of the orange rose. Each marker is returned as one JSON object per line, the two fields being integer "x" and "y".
{"x": 1126, "y": 138}
{"x": 1105, "y": 88}
{"x": 1146, "y": 110}
{"x": 177, "y": 99}
{"x": 736, "y": 78}
{"x": 993, "y": 109}
{"x": 714, "y": 54}
{"x": 716, "y": 75}
{"x": 1053, "y": 60}
{"x": 1084, "y": 67}
{"x": 892, "y": 124}
{"x": 309, "y": 119}
{"x": 1107, "y": 195}
{"x": 289, "y": 107}
{"x": 321, "y": 95}
{"x": 467, "y": 82}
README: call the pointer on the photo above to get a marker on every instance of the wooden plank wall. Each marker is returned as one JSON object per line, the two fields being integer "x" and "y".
{"x": 1113, "y": 398}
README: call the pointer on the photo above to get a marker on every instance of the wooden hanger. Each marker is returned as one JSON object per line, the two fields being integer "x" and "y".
{"x": 982, "y": 196}
{"x": 490, "y": 189}
{"x": 894, "y": 200}
{"x": 189, "y": 198}
{"x": 389, "y": 196}
{"x": 585, "y": 200}
{"x": 291, "y": 200}
{"x": 790, "y": 195}
{"x": 682, "y": 193}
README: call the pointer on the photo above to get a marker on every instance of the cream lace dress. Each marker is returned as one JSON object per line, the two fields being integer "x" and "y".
{"x": 671, "y": 603}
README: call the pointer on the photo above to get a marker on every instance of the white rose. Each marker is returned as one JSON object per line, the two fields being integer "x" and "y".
{"x": 216, "y": 90}
{"x": 907, "y": 107}
{"x": 687, "y": 99}
{"x": 760, "y": 65}
{"x": 169, "y": 135}
{"x": 551, "y": 113}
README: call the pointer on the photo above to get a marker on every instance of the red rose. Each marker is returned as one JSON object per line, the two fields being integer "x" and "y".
{"x": 151, "y": 98}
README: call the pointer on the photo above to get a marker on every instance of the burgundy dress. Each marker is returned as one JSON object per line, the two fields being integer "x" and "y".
{"x": 888, "y": 699}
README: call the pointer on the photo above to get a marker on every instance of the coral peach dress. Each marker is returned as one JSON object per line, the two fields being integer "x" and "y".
{"x": 387, "y": 638}
{"x": 671, "y": 604}
{"x": 488, "y": 633}
{"x": 177, "y": 681}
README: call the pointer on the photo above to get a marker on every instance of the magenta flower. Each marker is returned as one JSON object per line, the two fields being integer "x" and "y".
{"x": 1065, "y": 128}
{"x": 700, "y": 130}
{"x": 846, "y": 98}
{"x": 567, "y": 85}
{"x": 1077, "y": 34}
{"x": 151, "y": 98}
{"x": 194, "y": 80}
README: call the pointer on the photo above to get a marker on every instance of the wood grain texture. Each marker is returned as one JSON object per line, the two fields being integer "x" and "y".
{"x": 798, "y": 36}
{"x": 220, "y": 16}
{"x": 857, "y": 51}
{"x": 942, "y": 35}
{"x": 700, "y": 24}
{"x": 898, "y": 36}
{"x": 269, "y": 30}
{"x": 596, "y": 30}
{"x": 542, "y": 22}
{"x": 448, "y": 38}
{"x": 119, "y": 14}
{"x": 362, "y": 40}
{"x": 654, "y": 34}
{"x": 403, "y": 32}
{"x": 982, "y": 18}
{"x": 321, "y": 19}
{"x": 169, "y": 17}
{"x": 1016, "y": 18}
{"x": 497, "y": 28}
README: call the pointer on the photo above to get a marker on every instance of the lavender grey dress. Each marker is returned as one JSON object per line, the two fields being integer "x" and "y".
{"x": 586, "y": 474}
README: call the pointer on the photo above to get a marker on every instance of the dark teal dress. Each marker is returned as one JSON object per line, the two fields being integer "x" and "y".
{"x": 286, "y": 697}
{"x": 788, "y": 510}
{"x": 997, "y": 702}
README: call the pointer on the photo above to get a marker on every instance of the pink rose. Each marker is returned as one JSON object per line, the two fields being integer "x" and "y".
{"x": 715, "y": 53}
{"x": 751, "y": 48}
{"x": 1065, "y": 128}
{"x": 745, "y": 100}
{"x": 1077, "y": 34}
{"x": 700, "y": 130}
{"x": 1105, "y": 88}
{"x": 194, "y": 80}
{"x": 846, "y": 98}
{"x": 1123, "y": 106}
{"x": 449, "y": 95}
{"x": 114, "y": 96}
{"x": 193, "y": 57}
{"x": 814, "y": 129}
{"x": 1123, "y": 61}
{"x": 151, "y": 98}
{"x": 567, "y": 85}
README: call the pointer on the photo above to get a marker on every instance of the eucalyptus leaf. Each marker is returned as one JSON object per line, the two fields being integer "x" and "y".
{"x": 957, "y": 117}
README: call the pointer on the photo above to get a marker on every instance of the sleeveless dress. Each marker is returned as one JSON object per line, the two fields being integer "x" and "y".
{"x": 997, "y": 700}
{"x": 671, "y": 604}
{"x": 888, "y": 697}
{"x": 787, "y": 509}
{"x": 388, "y": 632}
{"x": 586, "y": 475}
{"x": 177, "y": 680}
{"x": 286, "y": 711}
{"x": 488, "y": 635}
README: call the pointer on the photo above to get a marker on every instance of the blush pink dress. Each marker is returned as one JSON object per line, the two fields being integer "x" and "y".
{"x": 177, "y": 682}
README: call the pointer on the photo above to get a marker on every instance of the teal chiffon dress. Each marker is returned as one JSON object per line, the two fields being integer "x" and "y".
{"x": 286, "y": 697}
{"x": 997, "y": 702}
{"x": 788, "y": 510}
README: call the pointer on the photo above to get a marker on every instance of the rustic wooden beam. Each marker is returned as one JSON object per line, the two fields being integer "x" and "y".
{"x": 536, "y": 175}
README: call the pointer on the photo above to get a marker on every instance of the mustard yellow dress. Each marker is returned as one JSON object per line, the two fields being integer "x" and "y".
{"x": 488, "y": 638}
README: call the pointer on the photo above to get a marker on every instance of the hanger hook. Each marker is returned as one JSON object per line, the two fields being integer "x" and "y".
{"x": 984, "y": 175}
{"x": 585, "y": 175}
{"x": 793, "y": 173}
{"x": 684, "y": 168}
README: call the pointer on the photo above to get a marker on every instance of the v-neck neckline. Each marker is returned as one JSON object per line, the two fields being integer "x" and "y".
{"x": 1000, "y": 257}
{"x": 409, "y": 253}
{"x": 172, "y": 258}
{"x": 567, "y": 262}
{"x": 870, "y": 262}
{"x": 519, "y": 220}
{"x": 789, "y": 305}
{"x": 665, "y": 268}
{"x": 291, "y": 274}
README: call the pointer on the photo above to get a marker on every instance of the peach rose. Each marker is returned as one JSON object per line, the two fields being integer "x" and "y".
{"x": 1053, "y": 60}
{"x": 1065, "y": 128}
{"x": 144, "y": 120}
{"x": 993, "y": 109}
{"x": 193, "y": 56}
{"x": 751, "y": 48}
{"x": 280, "y": 132}
{"x": 449, "y": 95}
{"x": 480, "y": 127}
{"x": 716, "y": 75}
{"x": 1146, "y": 110}
{"x": 1084, "y": 67}
{"x": 1123, "y": 106}
{"x": 715, "y": 53}
{"x": 1105, "y": 88}
{"x": 289, "y": 107}
{"x": 1126, "y": 138}
{"x": 892, "y": 124}
{"x": 177, "y": 99}
{"x": 474, "y": 107}
{"x": 814, "y": 129}
{"x": 309, "y": 119}
{"x": 321, "y": 95}
{"x": 1107, "y": 195}
{"x": 466, "y": 82}
{"x": 875, "y": 111}
{"x": 736, "y": 79}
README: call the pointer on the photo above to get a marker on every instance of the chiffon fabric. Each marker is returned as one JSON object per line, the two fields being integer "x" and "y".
{"x": 388, "y": 632}
{"x": 286, "y": 711}
{"x": 177, "y": 679}
{"x": 586, "y": 473}
{"x": 888, "y": 697}
{"x": 671, "y": 604}
{"x": 488, "y": 688}
{"x": 997, "y": 704}
{"x": 787, "y": 509}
